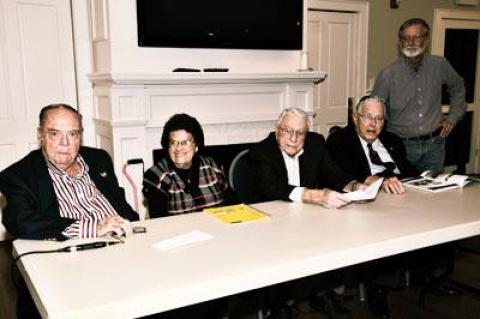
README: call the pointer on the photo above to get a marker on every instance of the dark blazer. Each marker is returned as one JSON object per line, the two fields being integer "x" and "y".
{"x": 32, "y": 209}
{"x": 317, "y": 170}
{"x": 346, "y": 150}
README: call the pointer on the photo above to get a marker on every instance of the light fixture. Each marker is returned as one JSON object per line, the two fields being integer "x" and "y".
{"x": 394, "y": 4}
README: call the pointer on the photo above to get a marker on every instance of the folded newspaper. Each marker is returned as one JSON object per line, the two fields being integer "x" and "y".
{"x": 430, "y": 183}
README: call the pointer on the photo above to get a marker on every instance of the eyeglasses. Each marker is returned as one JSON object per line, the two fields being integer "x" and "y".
{"x": 55, "y": 135}
{"x": 286, "y": 131}
{"x": 372, "y": 118}
{"x": 188, "y": 143}
{"x": 412, "y": 38}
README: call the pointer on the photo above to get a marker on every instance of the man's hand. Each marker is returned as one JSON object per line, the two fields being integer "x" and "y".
{"x": 324, "y": 197}
{"x": 447, "y": 126}
{"x": 393, "y": 185}
{"x": 115, "y": 225}
{"x": 371, "y": 179}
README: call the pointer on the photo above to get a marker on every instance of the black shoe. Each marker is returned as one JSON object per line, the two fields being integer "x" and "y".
{"x": 331, "y": 305}
{"x": 377, "y": 303}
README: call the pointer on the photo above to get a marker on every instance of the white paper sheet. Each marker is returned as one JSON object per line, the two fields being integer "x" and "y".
{"x": 182, "y": 240}
{"x": 369, "y": 193}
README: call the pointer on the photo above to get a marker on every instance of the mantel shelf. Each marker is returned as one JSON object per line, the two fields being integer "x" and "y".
{"x": 207, "y": 78}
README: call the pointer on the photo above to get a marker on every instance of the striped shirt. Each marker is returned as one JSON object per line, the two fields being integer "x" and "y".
{"x": 79, "y": 199}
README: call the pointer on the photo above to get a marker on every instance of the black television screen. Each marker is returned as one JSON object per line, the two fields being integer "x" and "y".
{"x": 236, "y": 24}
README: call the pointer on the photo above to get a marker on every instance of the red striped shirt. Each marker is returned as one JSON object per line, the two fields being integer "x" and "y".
{"x": 79, "y": 199}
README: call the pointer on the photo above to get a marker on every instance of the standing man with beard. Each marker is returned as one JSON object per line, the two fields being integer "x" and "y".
{"x": 412, "y": 89}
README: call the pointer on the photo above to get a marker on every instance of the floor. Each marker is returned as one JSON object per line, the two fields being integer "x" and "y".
{"x": 403, "y": 303}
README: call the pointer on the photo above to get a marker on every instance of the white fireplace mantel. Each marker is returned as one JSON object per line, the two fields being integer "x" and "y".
{"x": 130, "y": 110}
{"x": 207, "y": 78}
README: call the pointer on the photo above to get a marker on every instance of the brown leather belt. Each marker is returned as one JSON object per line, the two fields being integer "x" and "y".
{"x": 424, "y": 137}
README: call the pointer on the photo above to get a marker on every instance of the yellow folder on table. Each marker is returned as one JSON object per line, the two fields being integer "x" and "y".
{"x": 235, "y": 214}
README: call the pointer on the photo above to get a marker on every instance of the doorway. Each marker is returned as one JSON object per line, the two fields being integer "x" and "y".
{"x": 448, "y": 27}
{"x": 337, "y": 41}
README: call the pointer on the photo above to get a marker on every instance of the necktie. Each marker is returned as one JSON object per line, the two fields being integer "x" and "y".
{"x": 375, "y": 159}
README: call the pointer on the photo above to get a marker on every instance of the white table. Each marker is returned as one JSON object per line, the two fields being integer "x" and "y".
{"x": 134, "y": 279}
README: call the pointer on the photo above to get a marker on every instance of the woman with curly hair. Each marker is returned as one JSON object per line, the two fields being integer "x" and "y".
{"x": 184, "y": 181}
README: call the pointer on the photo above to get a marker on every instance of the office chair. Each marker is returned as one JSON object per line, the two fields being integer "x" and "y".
{"x": 8, "y": 293}
{"x": 240, "y": 177}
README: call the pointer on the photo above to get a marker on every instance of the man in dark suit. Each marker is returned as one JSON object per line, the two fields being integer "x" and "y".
{"x": 365, "y": 150}
{"x": 63, "y": 190}
{"x": 37, "y": 198}
{"x": 293, "y": 164}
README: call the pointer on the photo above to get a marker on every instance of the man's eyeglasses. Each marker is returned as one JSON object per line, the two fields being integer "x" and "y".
{"x": 412, "y": 38}
{"x": 286, "y": 131}
{"x": 55, "y": 135}
{"x": 372, "y": 118}
{"x": 189, "y": 142}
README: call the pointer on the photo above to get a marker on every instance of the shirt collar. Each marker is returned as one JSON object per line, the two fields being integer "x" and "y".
{"x": 60, "y": 172}
{"x": 294, "y": 157}
{"x": 364, "y": 143}
{"x": 411, "y": 66}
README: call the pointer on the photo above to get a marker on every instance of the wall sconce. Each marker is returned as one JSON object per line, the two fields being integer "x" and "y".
{"x": 394, "y": 4}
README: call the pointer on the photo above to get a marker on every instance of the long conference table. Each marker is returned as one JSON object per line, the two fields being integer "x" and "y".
{"x": 135, "y": 279}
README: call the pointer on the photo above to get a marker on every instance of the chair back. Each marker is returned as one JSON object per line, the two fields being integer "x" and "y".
{"x": 3, "y": 232}
{"x": 8, "y": 294}
{"x": 240, "y": 177}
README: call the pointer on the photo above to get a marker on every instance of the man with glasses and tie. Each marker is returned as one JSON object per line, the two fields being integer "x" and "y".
{"x": 365, "y": 151}
{"x": 412, "y": 88}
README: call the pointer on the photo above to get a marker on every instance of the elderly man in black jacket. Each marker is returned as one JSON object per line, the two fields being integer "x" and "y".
{"x": 365, "y": 150}
{"x": 293, "y": 164}
{"x": 62, "y": 190}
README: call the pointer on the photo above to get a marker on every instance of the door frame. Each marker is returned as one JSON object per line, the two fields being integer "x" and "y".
{"x": 442, "y": 19}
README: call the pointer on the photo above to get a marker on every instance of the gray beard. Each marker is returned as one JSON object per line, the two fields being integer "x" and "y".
{"x": 412, "y": 52}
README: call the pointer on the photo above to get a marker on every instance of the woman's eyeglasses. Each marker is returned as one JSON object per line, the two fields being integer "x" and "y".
{"x": 185, "y": 143}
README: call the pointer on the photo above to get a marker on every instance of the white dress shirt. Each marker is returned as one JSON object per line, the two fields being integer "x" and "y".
{"x": 382, "y": 152}
{"x": 293, "y": 171}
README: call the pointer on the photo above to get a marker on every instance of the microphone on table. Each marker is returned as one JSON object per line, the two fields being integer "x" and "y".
{"x": 87, "y": 246}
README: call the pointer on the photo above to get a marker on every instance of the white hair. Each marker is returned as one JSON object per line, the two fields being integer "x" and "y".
{"x": 367, "y": 98}
{"x": 295, "y": 111}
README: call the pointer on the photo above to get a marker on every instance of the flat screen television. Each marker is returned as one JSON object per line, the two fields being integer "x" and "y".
{"x": 232, "y": 24}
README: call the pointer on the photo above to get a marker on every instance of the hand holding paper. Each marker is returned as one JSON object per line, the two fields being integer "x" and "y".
{"x": 366, "y": 194}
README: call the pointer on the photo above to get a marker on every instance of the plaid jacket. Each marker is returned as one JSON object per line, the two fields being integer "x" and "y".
{"x": 205, "y": 187}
